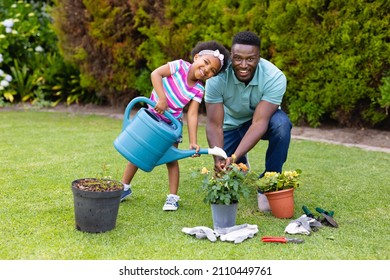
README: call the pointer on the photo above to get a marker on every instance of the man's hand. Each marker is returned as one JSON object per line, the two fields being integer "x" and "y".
{"x": 229, "y": 161}
{"x": 219, "y": 164}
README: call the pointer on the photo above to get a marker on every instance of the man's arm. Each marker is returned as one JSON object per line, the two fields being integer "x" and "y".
{"x": 261, "y": 117}
{"x": 214, "y": 130}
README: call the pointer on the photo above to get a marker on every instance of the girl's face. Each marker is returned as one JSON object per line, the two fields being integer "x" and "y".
{"x": 205, "y": 66}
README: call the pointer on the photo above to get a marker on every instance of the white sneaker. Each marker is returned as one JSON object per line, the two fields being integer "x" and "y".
{"x": 171, "y": 204}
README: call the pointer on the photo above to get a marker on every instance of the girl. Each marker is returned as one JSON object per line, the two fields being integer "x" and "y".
{"x": 175, "y": 85}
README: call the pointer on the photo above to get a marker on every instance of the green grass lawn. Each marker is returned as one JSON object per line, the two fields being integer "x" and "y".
{"x": 42, "y": 153}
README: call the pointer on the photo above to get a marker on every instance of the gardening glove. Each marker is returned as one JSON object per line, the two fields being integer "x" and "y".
{"x": 239, "y": 233}
{"x": 302, "y": 225}
{"x": 201, "y": 232}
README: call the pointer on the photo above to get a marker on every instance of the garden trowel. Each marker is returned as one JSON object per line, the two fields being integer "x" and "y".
{"x": 328, "y": 217}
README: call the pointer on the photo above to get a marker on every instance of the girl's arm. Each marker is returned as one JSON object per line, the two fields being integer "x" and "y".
{"x": 156, "y": 76}
{"x": 192, "y": 122}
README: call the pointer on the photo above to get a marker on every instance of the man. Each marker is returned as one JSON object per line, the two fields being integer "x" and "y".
{"x": 243, "y": 106}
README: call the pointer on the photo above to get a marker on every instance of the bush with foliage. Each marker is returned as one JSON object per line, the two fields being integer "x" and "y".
{"x": 107, "y": 40}
{"x": 31, "y": 68}
{"x": 335, "y": 55}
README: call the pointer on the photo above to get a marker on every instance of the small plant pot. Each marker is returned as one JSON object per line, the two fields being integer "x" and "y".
{"x": 224, "y": 215}
{"x": 95, "y": 211}
{"x": 281, "y": 203}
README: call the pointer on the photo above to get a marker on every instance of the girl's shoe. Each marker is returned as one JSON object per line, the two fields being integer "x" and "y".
{"x": 171, "y": 204}
{"x": 126, "y": 194}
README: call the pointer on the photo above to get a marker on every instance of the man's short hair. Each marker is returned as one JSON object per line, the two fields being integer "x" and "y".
{"x": 246, "y": 38}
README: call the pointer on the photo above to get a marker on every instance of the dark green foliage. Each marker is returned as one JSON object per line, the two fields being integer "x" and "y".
{"x": 37, "y": 73}
{"x": 335, "y": 54}
{"x": 105, "y": 39}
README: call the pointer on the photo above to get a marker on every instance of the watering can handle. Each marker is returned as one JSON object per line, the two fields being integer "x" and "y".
{"x": 126, "y": 118}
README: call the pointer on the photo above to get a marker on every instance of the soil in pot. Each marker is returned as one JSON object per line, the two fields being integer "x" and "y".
{"x": 96, "y": 204}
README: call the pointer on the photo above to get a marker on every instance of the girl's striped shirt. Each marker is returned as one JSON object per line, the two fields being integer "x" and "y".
{"x": 176, "y": 89}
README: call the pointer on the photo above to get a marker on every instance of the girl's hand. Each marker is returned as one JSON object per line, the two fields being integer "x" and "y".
{"x": 161, "y": 106}
{"x": 195, "y": 147}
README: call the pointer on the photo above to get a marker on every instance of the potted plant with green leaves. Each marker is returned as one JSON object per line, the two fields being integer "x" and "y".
{"x": 279, "y": 188}
{"x": 96, "y": 203}
{"x": 223, "y": 191}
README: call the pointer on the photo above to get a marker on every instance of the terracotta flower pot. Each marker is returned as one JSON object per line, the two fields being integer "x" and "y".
{"x": 281, "y": 203}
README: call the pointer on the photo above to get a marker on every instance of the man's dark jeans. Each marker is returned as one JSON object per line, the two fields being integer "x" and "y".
{"x": 278, "y": 136}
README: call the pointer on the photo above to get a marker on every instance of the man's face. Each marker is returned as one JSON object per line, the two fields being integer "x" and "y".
{"x": 244, "y": 60}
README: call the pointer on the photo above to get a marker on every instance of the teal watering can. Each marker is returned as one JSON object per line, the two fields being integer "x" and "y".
{"x": 147, "y": 141}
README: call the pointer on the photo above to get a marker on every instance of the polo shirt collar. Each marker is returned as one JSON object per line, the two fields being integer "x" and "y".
{"x": 253, "y": 82}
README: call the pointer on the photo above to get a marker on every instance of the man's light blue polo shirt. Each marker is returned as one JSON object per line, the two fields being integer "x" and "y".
{"x": 240, "y": 101}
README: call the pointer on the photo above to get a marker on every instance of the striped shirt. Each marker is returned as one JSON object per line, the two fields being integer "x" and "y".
{"x": 177, "y": 91}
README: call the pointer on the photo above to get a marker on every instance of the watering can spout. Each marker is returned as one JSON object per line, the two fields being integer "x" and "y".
{"x": 174, "y": 153}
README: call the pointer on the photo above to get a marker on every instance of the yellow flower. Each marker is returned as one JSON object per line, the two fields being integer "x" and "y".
{"x": 270, "y": 174}
{"x": 274, "y": 181}
{"x": 204, "y": 171}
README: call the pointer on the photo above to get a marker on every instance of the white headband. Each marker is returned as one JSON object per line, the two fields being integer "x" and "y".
{"x": 215, "y": 53}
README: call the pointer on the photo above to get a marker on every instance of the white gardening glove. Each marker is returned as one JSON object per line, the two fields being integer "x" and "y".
{"x": 201, "y": 232}
{"x": 239, "y": 233}
{"x": 302, "y": 225}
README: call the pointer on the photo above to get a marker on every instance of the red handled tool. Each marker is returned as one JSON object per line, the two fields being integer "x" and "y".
{"x": 281, "y": 239}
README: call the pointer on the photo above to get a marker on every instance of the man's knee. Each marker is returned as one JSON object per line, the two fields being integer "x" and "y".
{"x": 281, "y": 125}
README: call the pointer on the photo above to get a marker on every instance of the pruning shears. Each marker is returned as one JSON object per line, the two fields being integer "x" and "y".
{"x": 281, "y": 239}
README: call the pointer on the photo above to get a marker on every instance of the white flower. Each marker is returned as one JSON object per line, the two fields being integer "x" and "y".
{"x": 1, "y": 73}
{"x": 38, "y": 49}
{"x": 8, "y": 23}
{"x": 8, "y": 30}
{"x": 8, "y": 77}
{"x": 4, "y": 83}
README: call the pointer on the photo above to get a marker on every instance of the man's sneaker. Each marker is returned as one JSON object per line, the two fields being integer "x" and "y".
{"x": 126, "y": 194}
{"x": 171, "y": 204}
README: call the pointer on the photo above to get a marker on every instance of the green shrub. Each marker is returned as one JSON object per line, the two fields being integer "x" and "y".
{"x": 334, "y": 57}
{"x": 29, "y": 56}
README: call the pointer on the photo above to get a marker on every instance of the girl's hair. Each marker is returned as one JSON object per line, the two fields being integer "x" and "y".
{"x": 246, "y": 38}
{"x": 213, "y": 46}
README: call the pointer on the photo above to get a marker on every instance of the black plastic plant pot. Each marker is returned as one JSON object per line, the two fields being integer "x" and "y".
{"x": 94, "y": 211}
